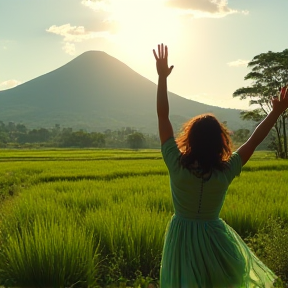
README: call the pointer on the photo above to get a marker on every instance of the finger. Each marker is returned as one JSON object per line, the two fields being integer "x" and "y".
{"x": 155, "y": 55}
{"x": 279, "y": 94}
{"x": 283, "y": 92}
{"x": 166, "y": 52}
{"x": 170, "y": 70}
{"x": 286, "y": 92}
{"x": 162, "y": 51}
{"x": 159, "y": 51}
{"x": 275, "y": 98}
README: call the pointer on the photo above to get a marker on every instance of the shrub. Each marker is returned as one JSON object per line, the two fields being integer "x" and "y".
{"x": 271, "y": 246}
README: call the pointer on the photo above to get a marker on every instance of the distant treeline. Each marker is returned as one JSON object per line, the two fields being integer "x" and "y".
{"x": 14, "y": 135}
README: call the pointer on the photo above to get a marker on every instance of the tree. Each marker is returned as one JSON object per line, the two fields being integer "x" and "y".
{"x": 136, "y": 140}
{"x": 4, "y": 138}
{"x": 21, "y": 128}
{"x": 35, "y": 136}
{"x": 240, "y": 135}
{"x": 98, "y": 139}
{"x": 269, "y": 73}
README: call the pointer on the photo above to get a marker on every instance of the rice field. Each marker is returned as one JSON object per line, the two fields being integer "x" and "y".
{"x": 88, "y": 218}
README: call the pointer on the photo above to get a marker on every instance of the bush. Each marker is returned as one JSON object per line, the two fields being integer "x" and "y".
{"x": 271, "y": 246}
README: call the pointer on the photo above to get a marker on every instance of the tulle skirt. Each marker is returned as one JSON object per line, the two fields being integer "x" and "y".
{"x": 209, "y": 254}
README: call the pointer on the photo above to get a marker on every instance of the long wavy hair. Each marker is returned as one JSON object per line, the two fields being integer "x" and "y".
{"x": 205, "y": 143}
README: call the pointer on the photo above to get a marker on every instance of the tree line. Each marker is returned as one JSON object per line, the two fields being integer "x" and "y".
{"x": 14, "y": 135}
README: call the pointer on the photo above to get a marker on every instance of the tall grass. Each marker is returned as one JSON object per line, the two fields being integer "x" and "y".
{"x": 253, "y": 198}
{"x": 81, "y": 223}
{"x": 112, "y": 213}
{"x": 48, "y": 252}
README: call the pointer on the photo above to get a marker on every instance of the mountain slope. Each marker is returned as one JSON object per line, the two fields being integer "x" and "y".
{"x": 96, "y": 92}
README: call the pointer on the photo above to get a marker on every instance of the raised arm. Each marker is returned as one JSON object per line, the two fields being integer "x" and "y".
{"x": 279, "y": 106}
{"x": 164, "y": 124}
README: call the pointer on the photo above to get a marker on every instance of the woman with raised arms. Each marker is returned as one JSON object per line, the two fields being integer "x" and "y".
{"x": 200, "y": 249}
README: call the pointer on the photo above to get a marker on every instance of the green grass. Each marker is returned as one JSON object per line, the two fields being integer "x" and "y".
{"x": 76, "y": 154}
{"x": 97, "y": 221}
{"x": 254, "y": 197}
{"x": 48, "y": 252}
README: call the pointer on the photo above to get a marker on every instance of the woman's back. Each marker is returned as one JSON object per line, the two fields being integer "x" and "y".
{"x": 196, "y": 197}
{"x": 200, "y": 249}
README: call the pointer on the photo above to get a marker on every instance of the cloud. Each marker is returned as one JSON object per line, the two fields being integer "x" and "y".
{"x": 202, "y": 5}
{"x": 69, "y": 48}
{"x": 194, "y": 8}
{"x": 9, "y": 84}
{"x": 75, "y": 34}
{"x": 204, "y": 8}
{"x": 103, "y": 5}
{"x": 238, "y": 63}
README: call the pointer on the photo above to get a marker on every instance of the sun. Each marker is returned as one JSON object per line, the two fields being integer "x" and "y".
{"x": 143, "y": 23}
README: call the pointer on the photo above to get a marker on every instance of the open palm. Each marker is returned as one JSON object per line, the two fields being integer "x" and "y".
{"x": 162, "y": 61}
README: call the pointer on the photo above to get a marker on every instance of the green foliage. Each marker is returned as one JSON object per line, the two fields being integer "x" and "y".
{"x": 19, "y": 136}
{"x": 271, "y": 245}
{"x": 80, "y": 139}
{"x": 255, "y": 115}
{"x": 240, "y": 136}
{"x": 136, "y": 140}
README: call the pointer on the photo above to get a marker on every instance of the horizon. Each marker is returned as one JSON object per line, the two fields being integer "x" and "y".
{"x": 210, "y": 41}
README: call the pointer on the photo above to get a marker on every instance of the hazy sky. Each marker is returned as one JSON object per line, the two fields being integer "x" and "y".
{"x": 209, "y": 41}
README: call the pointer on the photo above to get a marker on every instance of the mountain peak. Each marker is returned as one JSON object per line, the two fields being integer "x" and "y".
{"x": 93, "y": 55}
{"x": 93, "y": 52}
{"x": 97, "y": 62}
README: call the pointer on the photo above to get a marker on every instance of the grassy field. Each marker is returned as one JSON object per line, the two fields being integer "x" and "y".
{"x": 95, "y": 217}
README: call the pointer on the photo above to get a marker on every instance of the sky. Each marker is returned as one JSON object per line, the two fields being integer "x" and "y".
{"x": 210, "y": 42}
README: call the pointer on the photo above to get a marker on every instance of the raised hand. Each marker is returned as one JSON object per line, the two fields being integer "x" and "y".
{"x": 162, "y": 61}
{"x": 280, "y": 104}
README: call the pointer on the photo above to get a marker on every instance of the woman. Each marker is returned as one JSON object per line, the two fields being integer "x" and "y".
{"x": 200, "y": 249}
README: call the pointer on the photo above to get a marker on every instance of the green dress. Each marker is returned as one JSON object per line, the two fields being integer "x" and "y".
{"x": 200, "y": 249}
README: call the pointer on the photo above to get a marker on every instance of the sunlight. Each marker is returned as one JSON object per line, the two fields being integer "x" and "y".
{"x": 144, "y": 23}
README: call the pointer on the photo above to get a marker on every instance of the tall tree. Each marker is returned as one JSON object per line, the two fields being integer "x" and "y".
{"x": 269, "y": 72}
{"x": 136, "y": 140}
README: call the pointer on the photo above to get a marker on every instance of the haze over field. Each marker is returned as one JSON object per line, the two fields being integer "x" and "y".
{"x": 210, "y": 42}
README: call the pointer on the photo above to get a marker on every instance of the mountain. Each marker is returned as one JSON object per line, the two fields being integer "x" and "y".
{"x": 96, "y": 92}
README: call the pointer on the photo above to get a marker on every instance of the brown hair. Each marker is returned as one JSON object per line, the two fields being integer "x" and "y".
{"x": 206, "y": 142}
